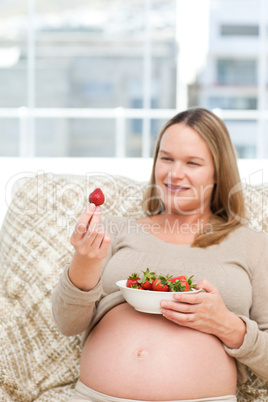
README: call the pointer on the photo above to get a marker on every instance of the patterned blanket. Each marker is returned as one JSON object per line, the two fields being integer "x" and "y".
{"x": 37, "y": 363}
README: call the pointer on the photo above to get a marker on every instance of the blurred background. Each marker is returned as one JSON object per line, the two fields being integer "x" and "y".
{"x": 101, "y": 77}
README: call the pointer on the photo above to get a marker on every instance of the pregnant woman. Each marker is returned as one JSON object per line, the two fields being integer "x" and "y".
{"x": 198, "y": 349}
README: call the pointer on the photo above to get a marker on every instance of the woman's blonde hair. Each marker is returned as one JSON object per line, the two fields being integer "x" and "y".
{"x": 227, "y": 202}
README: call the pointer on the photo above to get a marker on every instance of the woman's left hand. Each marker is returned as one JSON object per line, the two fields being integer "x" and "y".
{"x": 206, "y": 312}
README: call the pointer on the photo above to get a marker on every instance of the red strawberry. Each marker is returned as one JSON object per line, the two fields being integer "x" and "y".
{"x": 161, "y": 284}
{"x": 178, "y": 278}
{"x": 147, "y": 281}
{"x": 97, "y": 197}
{"x": 132, "y": 281}
{"x": 183, "y": 285}
{"x": 136, "y": 287}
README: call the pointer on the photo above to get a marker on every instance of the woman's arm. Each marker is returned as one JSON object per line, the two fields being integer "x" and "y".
{"x": 79, "y": 288}
{"x": 73, "y": 308}
{"x": 254, "y": 350}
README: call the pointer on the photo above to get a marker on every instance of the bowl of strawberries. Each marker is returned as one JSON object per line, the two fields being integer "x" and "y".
{"x": 146, "y": 291}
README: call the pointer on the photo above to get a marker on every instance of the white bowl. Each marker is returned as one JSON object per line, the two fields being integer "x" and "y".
{"x": 146, "y": 301}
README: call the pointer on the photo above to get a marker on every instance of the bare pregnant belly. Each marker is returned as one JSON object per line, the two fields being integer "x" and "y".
{"x": 144, "y": 356}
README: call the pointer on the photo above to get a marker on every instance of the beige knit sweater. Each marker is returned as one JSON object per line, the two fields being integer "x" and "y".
{"x": 238, "y": 267}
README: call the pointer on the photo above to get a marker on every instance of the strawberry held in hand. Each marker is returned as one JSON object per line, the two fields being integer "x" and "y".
{"x": 97, "y": 197}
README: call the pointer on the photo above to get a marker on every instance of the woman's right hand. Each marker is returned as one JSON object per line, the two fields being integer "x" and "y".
{"x": 91, "y": 245}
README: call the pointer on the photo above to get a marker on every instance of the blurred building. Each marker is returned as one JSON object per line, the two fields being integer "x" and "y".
{"x": 231, "y": 77}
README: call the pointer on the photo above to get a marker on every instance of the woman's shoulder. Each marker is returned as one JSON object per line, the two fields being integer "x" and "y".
{"x": 255, "y": 240}
{"x": 251, "y": 232}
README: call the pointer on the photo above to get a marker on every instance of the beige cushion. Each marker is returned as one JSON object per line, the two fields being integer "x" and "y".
{"x": 37, "y": 362}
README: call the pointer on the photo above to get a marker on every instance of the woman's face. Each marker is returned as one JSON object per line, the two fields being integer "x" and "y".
{"x": 184, "y": 171}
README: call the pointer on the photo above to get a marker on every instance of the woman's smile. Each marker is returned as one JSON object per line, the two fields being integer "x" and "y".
{"x": 176, "y": 188}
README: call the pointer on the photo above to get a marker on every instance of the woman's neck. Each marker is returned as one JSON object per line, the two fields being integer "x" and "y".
{"x": 184, "y": 220}
{"x": 174, "y": 228}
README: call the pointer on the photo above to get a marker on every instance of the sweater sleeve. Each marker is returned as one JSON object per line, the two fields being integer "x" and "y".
{"x": 253, "y": 353}
{"x": 72, "y": 308}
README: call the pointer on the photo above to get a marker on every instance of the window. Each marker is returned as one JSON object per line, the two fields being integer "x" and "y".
{"x": 237, "y": 71}
{"x": 82, "y": 57}
{"x": 232, "y": 102}
{"x": 239, "y": 30}
{"x": 101, "y": 78}
{"x": 247, "y": 152}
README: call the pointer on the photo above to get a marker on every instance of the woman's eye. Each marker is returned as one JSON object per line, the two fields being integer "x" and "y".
{"x": 193, "y": 163}
{"x": 165, "y": 158}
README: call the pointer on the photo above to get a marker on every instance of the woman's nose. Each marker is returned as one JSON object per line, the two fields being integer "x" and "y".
{"x": 177, "y": 171}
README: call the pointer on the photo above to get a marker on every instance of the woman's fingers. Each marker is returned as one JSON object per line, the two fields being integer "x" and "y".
{"x": 96, "y": 244}
{"x": 187, "y": 303}
{"x": 83, "y": 223}
{"x": 104, "y": 246}
{"x": 204, "y": 311}
{"x": 179, "y": 307}
{"x": 89, "y": 237}
{"x": 207, "y": 286}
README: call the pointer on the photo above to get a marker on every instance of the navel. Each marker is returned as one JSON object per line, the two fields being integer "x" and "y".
{"x": 140, "y": 353}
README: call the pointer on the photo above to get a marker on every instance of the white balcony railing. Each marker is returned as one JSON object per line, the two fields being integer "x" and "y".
{"x": 27, "y": 116}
